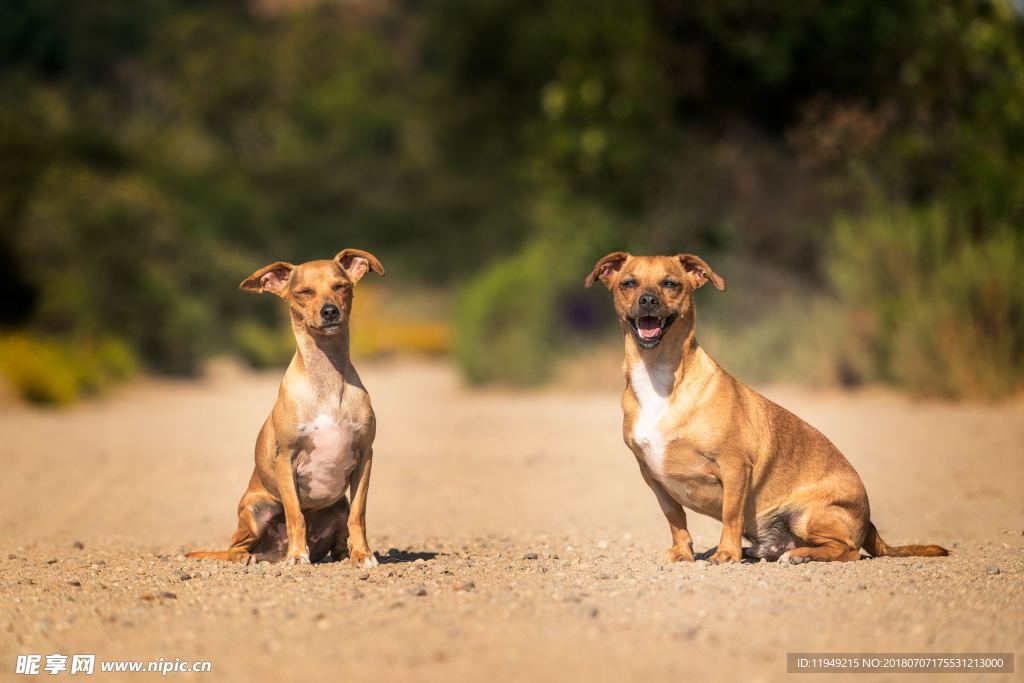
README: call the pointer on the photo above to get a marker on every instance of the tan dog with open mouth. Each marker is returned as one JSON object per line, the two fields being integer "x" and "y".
{"x": 318, "y": 440}
{"x": 707, "y": 442}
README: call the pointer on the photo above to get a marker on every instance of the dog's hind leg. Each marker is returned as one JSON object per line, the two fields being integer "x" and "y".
{"x": 771, "y": 535}
{"x": 830, "y": 551}
{"x": 255, "y": 511}
{"x": 326, "y": 531}
{"x": 339, "y": 548}
{"x": 826, "y": 534}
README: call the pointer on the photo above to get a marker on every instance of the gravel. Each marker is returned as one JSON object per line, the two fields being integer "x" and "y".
{"x": 496, "y": 564}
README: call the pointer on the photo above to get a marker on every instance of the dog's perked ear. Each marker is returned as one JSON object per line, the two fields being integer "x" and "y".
{"x": 272, "y": 278}
{"x": 606, "y": 267}
{"x": 699, "y": 272}
{"x": 356, "y": 263}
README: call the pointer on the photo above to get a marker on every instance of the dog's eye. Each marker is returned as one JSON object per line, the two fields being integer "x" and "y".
{"x": 670, "y": 284}
{"x": 340, "y": 286}
{"x": 304, "y": 292}
{"x": 628, "y": 284}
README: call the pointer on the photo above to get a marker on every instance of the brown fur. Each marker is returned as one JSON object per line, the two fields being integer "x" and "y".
{"x": 705, "y": 441}
{"x": 282, "y": 515}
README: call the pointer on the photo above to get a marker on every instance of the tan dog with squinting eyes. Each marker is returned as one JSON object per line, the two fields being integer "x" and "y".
{"x": 707, "y": 442}
{"x": 318, "y": 440}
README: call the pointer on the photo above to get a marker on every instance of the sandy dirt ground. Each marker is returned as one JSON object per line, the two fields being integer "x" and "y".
{"x": 517, "y": 542}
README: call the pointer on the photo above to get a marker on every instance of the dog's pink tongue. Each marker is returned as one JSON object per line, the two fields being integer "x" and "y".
{"x": 648, "y": 326}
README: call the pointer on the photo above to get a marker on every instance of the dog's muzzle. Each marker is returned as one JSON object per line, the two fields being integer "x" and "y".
{"x": 330, "y": 319}
{"x": 649, "y": 329}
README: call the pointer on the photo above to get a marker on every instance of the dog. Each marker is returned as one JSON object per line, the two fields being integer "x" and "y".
{"x": 318, "y": 440}
{"x": 707, "y": 442}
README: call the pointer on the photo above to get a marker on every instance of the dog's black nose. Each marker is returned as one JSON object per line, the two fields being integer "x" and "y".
{"x": 648, "y": 301}
{"x": 330, "y": 312}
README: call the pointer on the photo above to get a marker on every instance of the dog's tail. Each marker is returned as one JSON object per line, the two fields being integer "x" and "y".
{"x": 874, "y": 544}
{"x": 213, "y": 554}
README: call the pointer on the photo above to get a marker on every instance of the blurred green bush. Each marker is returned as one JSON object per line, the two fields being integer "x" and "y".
{"x": 507, "y": 324}
{"x": 933, "y": 306}
{"x": 153, "y": 156}
{"x": 264, "y": 346}
{"x": 58, "y": 372}
{"x": 515, "y": 319}
{"x": 916, "y": 299}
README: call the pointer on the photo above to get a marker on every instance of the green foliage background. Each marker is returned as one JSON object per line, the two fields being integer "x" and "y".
{"x": 853, "y": 168}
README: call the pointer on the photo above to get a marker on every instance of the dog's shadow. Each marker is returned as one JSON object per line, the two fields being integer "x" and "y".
{"x": 746, "y": 559}
{"x": 396, "y": 556}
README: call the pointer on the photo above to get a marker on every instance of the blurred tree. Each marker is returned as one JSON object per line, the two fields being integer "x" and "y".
{"x": 152, "y": 154}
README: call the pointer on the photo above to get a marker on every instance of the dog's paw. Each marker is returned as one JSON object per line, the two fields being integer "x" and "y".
{"x": 293, "y": 560}
{"x": 789, "y": 557}
{"x": 725, "y": 556}
{"x": 362, "y": 559}
{"x": 679, "y": 553}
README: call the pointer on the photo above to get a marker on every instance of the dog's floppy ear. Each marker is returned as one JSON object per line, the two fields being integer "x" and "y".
{"x": 699, "y": 272}
{"x": 356, "y": 263}
{"x": 606, "y": 267}
{"x": 272, "y": 278}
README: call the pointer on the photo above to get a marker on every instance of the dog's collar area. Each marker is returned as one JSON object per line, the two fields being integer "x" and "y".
{"x": 648, "y": 329}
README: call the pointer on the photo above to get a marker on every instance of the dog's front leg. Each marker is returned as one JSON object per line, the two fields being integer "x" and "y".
{"x": 295, "y": 521}
{"x": 359, "y": 552}
{"x": 682, "y": 544}
{"x": 735, "y": 478}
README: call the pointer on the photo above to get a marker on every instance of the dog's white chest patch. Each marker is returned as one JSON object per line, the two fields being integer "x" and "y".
{"x": 323, "y": 467}
{"x": 652, "y": 389}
